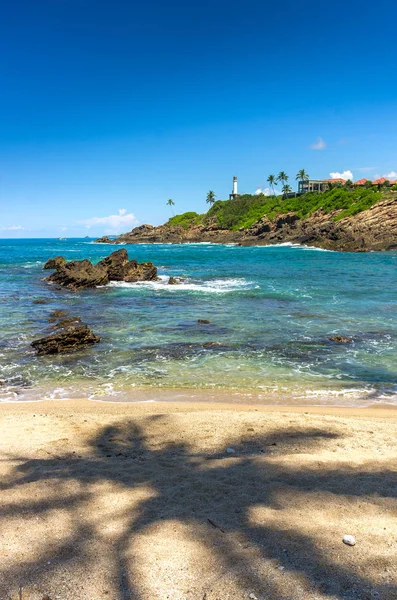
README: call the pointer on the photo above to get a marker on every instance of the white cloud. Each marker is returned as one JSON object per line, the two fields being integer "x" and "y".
{"x": 343, "y": 175}
{"x": 391, "y": 175}
{"x": 122, "y": 220}
{"x": 319, "y": 144}
{"x": 266, "y": 192}
{"x": 12, "y": 228}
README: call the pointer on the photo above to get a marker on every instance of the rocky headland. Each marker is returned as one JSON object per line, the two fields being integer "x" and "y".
{"x": 372, "y": 229}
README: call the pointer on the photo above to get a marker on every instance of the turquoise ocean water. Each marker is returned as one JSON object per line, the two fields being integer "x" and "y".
{"x": 272, "y": 310}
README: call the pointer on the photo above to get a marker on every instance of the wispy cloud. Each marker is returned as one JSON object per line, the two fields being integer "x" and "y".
{"x": 365, "y": 169}
{"x": 116, "y": 222}
{"x": 12, "y": 228}
{"x": 391, "y": 175}
{"x": 319, "y": 144}
{"x": 344, "y": 175}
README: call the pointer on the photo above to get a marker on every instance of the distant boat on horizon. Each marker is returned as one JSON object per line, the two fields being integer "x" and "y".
{"x": 60, "y": 238}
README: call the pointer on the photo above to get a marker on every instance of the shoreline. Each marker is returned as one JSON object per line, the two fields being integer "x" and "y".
{"x": 82, "y": 405}
{"x": 233, "y": 397}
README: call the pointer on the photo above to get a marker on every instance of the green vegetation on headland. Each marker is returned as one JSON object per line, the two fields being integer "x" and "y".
{"x": 247, "y": 209}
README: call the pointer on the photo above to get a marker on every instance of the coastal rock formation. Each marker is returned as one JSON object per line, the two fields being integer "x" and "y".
{"x": 371, "y": 229}
{"x": 70, "y": 334}
{"x": 82, "y": 274}
{"x": 79, "y": 274}
{"x": 53, "y": 263}
{"x": 66, "y": 339}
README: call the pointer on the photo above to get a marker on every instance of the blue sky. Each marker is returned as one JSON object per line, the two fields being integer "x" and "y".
{"x": 107, "y": 109}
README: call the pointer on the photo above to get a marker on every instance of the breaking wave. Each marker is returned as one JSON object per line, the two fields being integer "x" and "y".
{"x": 214, "y": 286}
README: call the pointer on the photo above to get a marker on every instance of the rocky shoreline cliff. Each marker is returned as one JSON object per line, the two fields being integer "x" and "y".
{"x": 371, "y": 229}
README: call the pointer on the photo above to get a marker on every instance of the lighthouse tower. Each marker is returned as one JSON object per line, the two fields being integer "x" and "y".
{"x": 234, "y": 193}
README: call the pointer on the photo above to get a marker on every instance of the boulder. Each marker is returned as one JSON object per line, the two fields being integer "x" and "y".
{"x": 287, "y": 219}
{"x": 115, "y": 264}
{"x": 173, "y": 281}
{"x": 54, "y": 263}
{"x": 103, "y": 240}
{"x": 140, "y": 272}
{"x": 203, "y": 321}
{"x": 81, "y": 274}
{"x": 67, "y": 339}
{"x": 264, "y": 225}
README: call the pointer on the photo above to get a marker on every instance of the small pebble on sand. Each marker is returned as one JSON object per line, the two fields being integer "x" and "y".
{"x": 350, "y": 540}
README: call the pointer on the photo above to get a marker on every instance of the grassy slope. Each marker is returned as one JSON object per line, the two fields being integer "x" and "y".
{"x": 247, "y": 209}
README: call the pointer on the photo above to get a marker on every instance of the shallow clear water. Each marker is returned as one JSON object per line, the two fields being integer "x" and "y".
{"x": 272, "y": 310}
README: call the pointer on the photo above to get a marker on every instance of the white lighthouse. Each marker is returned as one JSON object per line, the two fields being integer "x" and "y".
{"x": 234, "y": 193}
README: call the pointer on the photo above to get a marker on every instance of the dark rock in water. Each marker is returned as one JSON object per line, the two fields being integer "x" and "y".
{"x": 173, "y": 281}
{"x": 211, "y": 344}
{"x": 340, "y": 339}
{"x": 203, "y": 321}
{"x": 120, "y": 268}
{"x": 140, "y": 272}
{"x": 66, "y": 340}
{"x": 79, "y": 274}
{"x": 82, "y": 274}
{"x": 54, "y": 263}
{"x": 103, "y": 240}
{"x": 57, "y": 314}
{"x": 115, "y": 264}
{"x": 40, "y": 301}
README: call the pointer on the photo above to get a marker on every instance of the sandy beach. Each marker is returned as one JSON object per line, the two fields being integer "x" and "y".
{"x": 118, "y": 501}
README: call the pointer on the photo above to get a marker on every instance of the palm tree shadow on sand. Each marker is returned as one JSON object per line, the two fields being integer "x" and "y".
{"x": 213, "y": 495}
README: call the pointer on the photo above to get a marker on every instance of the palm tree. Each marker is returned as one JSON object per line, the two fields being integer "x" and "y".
{"x": 287, "y": 189}
{"x": 301, "y": 176}
{"x": 211, "y": 197}
{"x": 171, "y": 203}
{"x": 282, "y": 177}
{"x": 272, "y": 180}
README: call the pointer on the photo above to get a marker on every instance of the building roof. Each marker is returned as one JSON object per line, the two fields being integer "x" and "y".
{"x": 336, "y": 180}
{"x": 361, "y": 181}
{"x": 380, "y": 181}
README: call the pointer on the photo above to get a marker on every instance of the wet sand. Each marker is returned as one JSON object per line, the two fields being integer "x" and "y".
{"x": 201, "y": 501}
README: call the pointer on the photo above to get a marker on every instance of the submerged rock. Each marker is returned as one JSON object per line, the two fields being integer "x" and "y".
{"x": 211, "y": 344}
{"x": 203, "y": 321}
{"x": 65, "y": 340}
{"x": 70, "y": 334}
{"x": 67, "y": 322}
{"x": 340, "y": 339}
{"x": 57, "y": 314}
{"x": 82, "y": 274}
